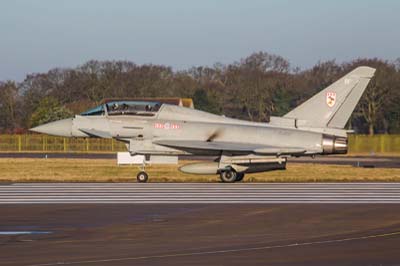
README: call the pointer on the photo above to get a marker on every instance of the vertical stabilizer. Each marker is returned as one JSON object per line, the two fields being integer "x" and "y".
{"x": 333, "y": 106}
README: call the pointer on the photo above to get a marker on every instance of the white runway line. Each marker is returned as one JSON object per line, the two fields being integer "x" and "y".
{"x": 109, "y": 193}
{"x": 221, "y": 251}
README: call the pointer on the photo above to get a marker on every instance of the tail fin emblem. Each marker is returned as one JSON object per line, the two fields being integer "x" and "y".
{"x": 330, "y": 98}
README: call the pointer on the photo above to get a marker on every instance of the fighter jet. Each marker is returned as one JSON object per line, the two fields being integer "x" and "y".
{"x": 316, "y": 127}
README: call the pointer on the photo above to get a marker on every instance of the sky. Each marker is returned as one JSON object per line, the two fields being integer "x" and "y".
{"x": 37, "y": 35}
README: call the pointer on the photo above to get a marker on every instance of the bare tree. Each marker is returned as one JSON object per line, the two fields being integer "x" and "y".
{"x": 8, "y": 105}
{"x": 252, "y": 88}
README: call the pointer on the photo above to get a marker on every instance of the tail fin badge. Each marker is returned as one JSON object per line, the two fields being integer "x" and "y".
{"x": 330, "y": 98}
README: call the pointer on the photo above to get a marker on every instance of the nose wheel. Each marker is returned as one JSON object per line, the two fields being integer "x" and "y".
{"x": 142, "y": 177}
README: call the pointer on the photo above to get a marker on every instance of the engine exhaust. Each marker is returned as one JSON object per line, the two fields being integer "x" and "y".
{"x": 334, "y": 145}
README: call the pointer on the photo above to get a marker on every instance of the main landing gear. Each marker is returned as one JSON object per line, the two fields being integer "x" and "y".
{"x": 230, "y": 176}
{"x": 239, "y": 177}
{"x": 227, "y": 173}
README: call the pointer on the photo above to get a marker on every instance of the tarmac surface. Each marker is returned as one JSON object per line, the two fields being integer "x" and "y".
{"x": 163, "y": 193}
{"x": 200, "y": 224}
{"x": 200, "y": 234}
{"x": 358, "y": 161}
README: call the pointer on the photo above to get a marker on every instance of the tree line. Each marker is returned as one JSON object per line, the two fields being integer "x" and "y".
{"x": 253, "y": 88}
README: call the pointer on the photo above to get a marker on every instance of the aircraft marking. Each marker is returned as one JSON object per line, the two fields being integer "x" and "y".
{"x": 330, "y": 98}
{"x": 166, "y": 126}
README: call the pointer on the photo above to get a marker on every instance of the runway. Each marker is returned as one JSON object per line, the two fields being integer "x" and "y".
{"x": 199, "y": 234}
{"x": 208, "y": 193}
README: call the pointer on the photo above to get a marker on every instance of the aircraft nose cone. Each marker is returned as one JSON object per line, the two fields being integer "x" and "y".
{"x": 61, "y": 128}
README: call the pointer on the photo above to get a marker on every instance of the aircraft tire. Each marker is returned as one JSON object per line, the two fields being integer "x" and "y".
{"x": 142, "y": 177}
{"x": 239, "y": 177}
{"x": 228, "y": 176}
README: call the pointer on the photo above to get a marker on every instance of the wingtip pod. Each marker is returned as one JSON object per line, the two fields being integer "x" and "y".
{"x": 364, "y": 72}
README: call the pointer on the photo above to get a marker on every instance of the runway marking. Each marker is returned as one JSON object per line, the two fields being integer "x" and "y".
{"x": 223, "y": 251}
{"x": 163, "y": 193}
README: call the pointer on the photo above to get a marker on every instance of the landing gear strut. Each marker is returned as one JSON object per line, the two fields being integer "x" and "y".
{"x": 142, "y": 176}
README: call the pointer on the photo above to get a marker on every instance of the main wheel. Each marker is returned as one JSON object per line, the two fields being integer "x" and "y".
{"x": 142, "y": 177}
{"x": 239, "y": 177}
{"x": 228, "y": 176}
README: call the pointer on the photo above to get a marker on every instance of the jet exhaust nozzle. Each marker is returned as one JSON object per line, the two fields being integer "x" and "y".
{"x": 334, "y": 145}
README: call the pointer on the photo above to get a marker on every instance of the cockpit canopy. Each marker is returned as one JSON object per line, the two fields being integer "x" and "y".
{"x": 138, "y": 108}
{"x": 98, "y": 110}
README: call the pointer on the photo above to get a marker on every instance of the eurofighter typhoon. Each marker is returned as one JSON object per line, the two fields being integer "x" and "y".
{"x": 148, "y": 128}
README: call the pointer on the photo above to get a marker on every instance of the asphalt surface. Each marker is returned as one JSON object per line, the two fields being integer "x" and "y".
{"x": 200, "y": 234}
{"x": 357, "y": 161}
{"x": 170, "y": 193}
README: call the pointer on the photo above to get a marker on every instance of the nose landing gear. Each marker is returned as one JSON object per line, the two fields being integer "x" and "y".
{"x": 142, "y": 177}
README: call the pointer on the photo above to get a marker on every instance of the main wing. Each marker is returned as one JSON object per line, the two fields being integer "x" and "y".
{"x": 230, "y": 147}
